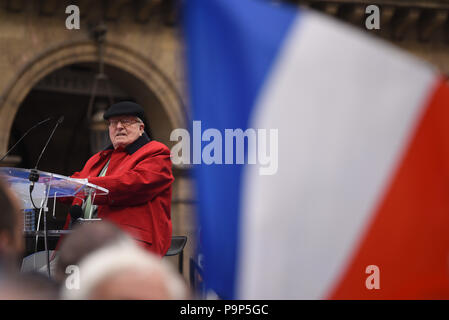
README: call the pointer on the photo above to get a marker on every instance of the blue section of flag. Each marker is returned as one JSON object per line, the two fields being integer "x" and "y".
{"x": 231, "y": 47}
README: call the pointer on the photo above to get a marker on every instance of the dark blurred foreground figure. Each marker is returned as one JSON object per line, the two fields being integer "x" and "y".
{"x": 11, "y": 225}
{"x": 124, "y": 271}
{"x": 15, "y": 285}
{"x": 84, "y": 240}
{"x": 28, "y": 286}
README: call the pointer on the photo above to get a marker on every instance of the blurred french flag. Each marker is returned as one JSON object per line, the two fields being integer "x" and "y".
{"x": 363, "y": 177}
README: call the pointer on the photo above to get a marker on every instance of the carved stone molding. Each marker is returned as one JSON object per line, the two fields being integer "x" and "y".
{"x": 423, "y": 19}
{"x": 110, "y": 10}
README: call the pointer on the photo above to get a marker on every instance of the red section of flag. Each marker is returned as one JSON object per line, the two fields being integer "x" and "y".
{"x": 408, "y": 237}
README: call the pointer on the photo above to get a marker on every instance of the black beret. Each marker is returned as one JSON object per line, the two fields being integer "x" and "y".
{"x": 125, "y": 108}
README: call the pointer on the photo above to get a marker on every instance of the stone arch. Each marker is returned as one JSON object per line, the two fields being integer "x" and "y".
{"x": 116, "y": 55}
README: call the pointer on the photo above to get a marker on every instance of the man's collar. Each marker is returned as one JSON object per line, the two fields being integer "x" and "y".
{"x": 136, "y": 145}
{"x": 139, "y": 143}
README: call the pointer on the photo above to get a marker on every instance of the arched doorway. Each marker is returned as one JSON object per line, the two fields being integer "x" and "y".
{"x": 66, "y": 92}
{"x": 140, "y": 77}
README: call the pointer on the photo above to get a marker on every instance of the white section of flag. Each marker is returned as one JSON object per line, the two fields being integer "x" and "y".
{"x": 345, "y": 105}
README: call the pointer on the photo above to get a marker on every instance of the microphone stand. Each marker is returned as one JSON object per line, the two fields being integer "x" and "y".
{"x": 34, "y": 177}
{"x": 26, "y": 133}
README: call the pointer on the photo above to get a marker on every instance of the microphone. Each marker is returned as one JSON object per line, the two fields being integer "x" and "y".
{"x": 26, "y": 133}
{"x": 75, "y": 213}
{"x": 34, "y": 174}
{"x": 60, "y": 120}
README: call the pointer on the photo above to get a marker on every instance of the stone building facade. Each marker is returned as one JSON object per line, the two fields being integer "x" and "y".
{"x": 49, "y": 70}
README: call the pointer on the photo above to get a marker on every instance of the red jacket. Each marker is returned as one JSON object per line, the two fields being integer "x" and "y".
{"x": 139, "y": 179}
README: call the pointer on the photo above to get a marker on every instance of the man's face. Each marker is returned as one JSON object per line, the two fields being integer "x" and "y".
{"x": 124, "y": 130}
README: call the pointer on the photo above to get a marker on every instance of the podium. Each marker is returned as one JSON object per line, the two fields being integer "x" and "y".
{"x": 49, "y": 185}
{"x": 35, "y": 200}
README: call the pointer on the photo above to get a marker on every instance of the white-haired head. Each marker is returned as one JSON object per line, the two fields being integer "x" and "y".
{"x": 125, "y": 271}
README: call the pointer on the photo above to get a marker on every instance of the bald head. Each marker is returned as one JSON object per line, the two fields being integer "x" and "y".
{"x": 85, "y": 239}
{"x": 132, "y": 284}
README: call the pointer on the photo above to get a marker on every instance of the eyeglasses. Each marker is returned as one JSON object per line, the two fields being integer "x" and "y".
{"x": 124, "y": 122}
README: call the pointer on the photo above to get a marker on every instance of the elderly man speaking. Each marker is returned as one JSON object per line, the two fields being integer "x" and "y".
{"x": 137, "y": 172}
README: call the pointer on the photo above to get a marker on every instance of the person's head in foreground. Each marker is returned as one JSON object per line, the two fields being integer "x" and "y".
{"x": 125, "y": 123}
{"x": 85, "y": 239}
{"x": 11, "y": 228}
{"x": 28, "y": 286}
{"x": 124, "y": 271}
